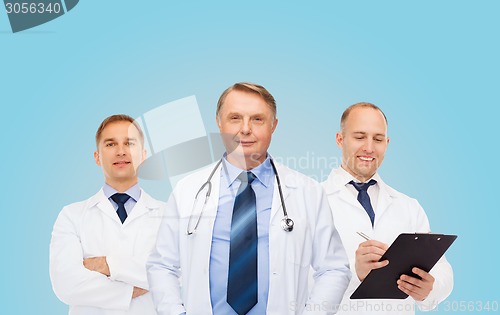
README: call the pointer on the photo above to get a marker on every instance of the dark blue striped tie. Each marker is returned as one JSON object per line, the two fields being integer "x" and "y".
{"x": 242, "y": 277}
{"x": 363, "y": 197}
{"x": 120, "y": 200}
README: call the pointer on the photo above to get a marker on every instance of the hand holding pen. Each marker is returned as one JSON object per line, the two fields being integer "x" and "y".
{"x": 368, "y": 255}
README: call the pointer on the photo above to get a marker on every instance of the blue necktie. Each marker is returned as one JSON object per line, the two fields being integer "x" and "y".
{"x": 242, "y": 277}
{"x": 120, "y": 200}
{"x": 363, "y": 197}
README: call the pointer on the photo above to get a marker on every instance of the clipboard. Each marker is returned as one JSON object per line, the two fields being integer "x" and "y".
{"x": 420, "y": 250}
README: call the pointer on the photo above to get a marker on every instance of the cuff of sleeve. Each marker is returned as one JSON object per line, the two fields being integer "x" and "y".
{"x": 114, "y": 270}
{"x": 125, "y": 298}
{"x": 429, "y": 303}
{"x": 130, "y": 293}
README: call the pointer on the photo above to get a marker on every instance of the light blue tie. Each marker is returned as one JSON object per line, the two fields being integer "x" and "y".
{"x": 363, "y": 197}
{"x": 242, "y": 277}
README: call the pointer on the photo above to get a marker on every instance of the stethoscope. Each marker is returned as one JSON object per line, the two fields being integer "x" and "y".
{"x": 286, "y": 222}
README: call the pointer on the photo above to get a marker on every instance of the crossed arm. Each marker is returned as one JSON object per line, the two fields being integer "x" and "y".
{"x": 99, "y": 264}
{"x": 86, "y": 281}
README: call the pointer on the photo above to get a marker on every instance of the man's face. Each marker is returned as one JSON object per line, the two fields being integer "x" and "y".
{"x": 119, "y": 153}
{"x": 363, "y": 142}
{"x": 246, "y": 124}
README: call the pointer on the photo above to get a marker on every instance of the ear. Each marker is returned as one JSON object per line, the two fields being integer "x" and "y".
{"x": 96, "y": 158}
{"x": 144, "y": 154}
{"x": 275, "y": 124}
{"x": 339, "y": 137}
{"x": 388, "y": 139}
{"x": 217, "y": 120}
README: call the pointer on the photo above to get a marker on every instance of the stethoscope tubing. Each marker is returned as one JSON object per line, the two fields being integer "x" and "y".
{"x": 286, "y": 223}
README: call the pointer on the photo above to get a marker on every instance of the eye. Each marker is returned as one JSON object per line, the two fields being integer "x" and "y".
{"x": 110, "y": 144}
{"x": 379, "y": 139}
{"x": 130, "y": 143}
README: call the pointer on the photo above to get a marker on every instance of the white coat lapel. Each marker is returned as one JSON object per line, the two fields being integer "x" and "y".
{"x": 336, "y": 184}
{"x": 349, "y": 197}
{"x": 104, "y": 205}
{"x": 384, "y": 199}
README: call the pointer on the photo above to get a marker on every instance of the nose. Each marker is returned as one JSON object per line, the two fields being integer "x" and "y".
{"x": 368, "y": 146}
{"x": 121, "y": 149}
{"x": 246, "y": 127}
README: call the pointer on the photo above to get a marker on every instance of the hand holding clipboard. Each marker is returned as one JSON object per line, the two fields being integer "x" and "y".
{"x": 405, "y": 253}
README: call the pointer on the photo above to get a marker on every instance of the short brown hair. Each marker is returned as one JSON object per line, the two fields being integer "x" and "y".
{"x": 361, "y": 104}
{"x": 115, "y": 118}
{"x": 250, "y": 88}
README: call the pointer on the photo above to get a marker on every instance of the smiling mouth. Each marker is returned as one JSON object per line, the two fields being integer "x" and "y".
{"x": 366, "y": 158}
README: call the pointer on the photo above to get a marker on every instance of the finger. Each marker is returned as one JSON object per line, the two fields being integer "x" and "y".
{"x": 422, "y": 288}
{"x": 370, "y": 258}
{"x": 379, "y": 264}
{"x": 410, "y": 283}
{"x": 370, "y": 250}
{"x": 416, "y": 285}
{"x": 426, "y": 277}
{"x": 410, "y": 290}
{"x": 374, "y": 243}
{"x": 426, "y": 282}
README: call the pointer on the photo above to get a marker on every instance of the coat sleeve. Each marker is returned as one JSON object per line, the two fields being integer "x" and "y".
{"x": 72, "y": 283}
{"x": 163, "y": 265}
{"x": 128, "y": 269}
{"x": 331, "y": 267}
{"x": 442, "y": 271}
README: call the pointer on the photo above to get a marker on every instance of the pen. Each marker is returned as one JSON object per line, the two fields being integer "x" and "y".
{"x": 363, "y": 235}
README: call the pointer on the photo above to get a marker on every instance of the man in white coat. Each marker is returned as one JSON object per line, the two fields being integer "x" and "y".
{"x": 99, "y": 246}
{"x": 363, "y": 140}
{"x": 203, "y": 265}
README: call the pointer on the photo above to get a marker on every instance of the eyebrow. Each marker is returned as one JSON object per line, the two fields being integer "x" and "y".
{"x": 113, "y": 139}
{"x": 244, "y": 114}
{"x": 364, "y": 133}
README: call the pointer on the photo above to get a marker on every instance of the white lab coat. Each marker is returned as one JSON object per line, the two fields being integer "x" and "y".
{"x": 395, "y": 213}
{"x": 92, "y": 228}
{"x": 313, "y": 242}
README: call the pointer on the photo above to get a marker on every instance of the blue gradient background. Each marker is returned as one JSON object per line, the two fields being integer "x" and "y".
{"x": 431, "y": 65}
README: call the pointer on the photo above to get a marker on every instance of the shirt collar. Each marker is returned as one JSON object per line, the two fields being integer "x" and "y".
{"x": 346, "y": 177}
{"x": 263, "y": 172}
{"x": 134, "y": 192}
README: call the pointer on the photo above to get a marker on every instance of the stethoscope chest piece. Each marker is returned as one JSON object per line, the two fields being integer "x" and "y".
{"x": 287, "y": 224}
